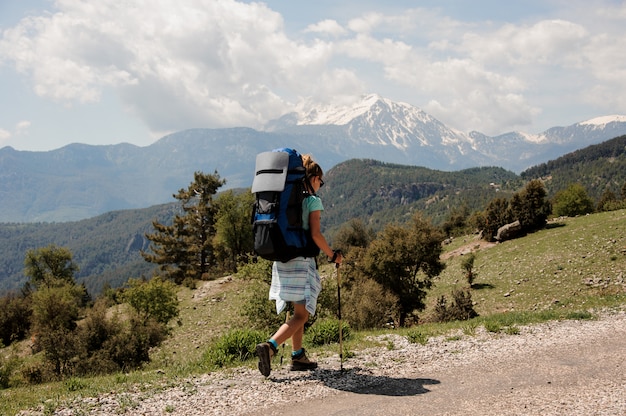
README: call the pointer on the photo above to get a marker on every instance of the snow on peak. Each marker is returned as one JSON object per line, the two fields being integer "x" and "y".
{"x": 338, "y": 115}
{"x": 533, "y": 138}
{"x": 603, "y": 121}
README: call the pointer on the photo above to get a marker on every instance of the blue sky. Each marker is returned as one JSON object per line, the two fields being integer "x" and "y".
{"x": 132, "y": 71}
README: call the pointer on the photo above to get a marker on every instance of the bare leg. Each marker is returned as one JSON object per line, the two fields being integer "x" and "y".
{"x": 294, "y": 328}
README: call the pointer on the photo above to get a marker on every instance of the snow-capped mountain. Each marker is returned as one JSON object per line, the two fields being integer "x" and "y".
{"x": 397, "y": 130}
{"x": 376, "y": 120}
{"x": 373, "y": 128}
{"x": 407, "y": 134}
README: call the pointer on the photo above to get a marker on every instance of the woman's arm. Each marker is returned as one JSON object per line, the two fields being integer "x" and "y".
{"x": 318, "y": 237}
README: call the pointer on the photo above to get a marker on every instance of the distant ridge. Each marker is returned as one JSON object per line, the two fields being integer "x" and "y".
{"x": 81, "y": 181}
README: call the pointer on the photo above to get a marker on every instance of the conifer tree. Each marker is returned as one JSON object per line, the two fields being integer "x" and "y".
{"x": 184, "y": 249}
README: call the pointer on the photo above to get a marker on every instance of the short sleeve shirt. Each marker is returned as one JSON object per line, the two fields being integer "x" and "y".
{"x": 311, "y": 203}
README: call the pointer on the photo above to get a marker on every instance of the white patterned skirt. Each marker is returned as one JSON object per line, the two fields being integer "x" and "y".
{"x": 295, "y": 281}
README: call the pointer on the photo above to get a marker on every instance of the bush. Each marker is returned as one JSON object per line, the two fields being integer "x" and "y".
{"x": 237, "y": 345}
{"x": 415, "y": 336}
{"x": 15, "y": 316}
{"x": 468, "y": 265}
{"x": 8, "y": 365}
{"x": 34, "y": 373}
{"x": 155, "y": 299}
{"x": 461, "y": 309}
{"x": 109, "y": 345}
{"x": 326, "y": 331}
{"x": 130, "y": 348}
{"x": 572, "y": 201}
{"x": 327, "y": 299}
{"x": 259, "y": 310}
{"x": 60, "y": 347}
{"x": 368, "y": 305}
{"x": 261, "y": 270}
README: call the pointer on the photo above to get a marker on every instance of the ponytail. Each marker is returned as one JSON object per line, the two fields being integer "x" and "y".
{"x": 311, "y": 166}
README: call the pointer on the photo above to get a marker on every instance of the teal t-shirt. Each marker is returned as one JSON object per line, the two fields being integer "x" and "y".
{"x": 311, "y": 203}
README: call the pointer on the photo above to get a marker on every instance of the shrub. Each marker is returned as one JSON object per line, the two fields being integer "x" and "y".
{"x": 237, "y": 345}
{"x": 461, "y": 308}
{"x": 368, "y": 305}
{"x": 572, "y": 201}
{"x": 259, "y": 310}
{"x": 261, "y": 270}
{"x": 8, "y": 365}
{"x": 415, "y": 336}
{"x": 15, "y": 316}
{"x": 60, "y": 347}
{"x": 130, "y": 348}
{"x": 155, "y": 299}
{"x": 468, "y": 265}
{"x": 326, "y": 331}
{"x": 327, "y": 299}
{"x": 33, "y": 373}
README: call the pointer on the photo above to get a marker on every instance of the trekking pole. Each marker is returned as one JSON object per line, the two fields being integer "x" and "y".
{"x": 283, "y": 353}
{"x": 339, "y": 315}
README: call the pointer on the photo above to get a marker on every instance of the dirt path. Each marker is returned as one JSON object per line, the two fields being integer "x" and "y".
{"x": 557, "y": 368}
{"x": 555, "y": 373}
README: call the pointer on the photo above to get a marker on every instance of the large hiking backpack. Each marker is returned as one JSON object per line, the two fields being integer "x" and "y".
{"x": 279, "y": 188}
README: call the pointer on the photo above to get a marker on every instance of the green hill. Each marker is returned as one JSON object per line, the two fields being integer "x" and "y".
{"x": 106, "y": 247}
{"x": 379, "y": 193}
{"x": 598, "y": 168}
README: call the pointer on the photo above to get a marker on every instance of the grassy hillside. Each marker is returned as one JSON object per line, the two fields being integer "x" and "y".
{"x": 570, "y": 265}
{"x": 574, "y": 266}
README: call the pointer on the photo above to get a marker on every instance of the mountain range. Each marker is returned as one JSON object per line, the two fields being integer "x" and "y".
{"x": 82, "y": 181}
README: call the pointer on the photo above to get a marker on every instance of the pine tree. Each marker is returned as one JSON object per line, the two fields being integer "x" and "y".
{"x": 184, "y": 249}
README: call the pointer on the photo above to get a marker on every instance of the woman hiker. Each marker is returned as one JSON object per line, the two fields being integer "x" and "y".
{"x": 297, "y": 281}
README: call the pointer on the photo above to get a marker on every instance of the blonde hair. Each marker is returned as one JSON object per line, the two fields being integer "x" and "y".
{"x": 311, "y": 167}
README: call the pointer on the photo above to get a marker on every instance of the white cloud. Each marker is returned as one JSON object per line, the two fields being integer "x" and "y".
{"x": 219, "y": 63}
{"x": 328, "y": 26}
{"x": 197, "y": 63}
{"x": 5, "y": 135}
{"x": 22, "y": 127}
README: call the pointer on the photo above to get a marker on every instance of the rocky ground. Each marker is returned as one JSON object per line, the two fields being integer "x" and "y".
{"x": 556, "y": 368}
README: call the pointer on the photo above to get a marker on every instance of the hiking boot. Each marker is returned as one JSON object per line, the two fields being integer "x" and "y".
{"x": 301, "y": 363}
{"x": 265, "y": 351}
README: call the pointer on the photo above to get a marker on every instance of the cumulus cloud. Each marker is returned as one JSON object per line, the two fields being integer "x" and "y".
{"x": 328, "y": 26}
{"x": 221, "y": 63}
{"x": 201, "y": 62}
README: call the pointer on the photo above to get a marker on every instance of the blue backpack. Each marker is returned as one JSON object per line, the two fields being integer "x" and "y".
{"x": 279, "y": 188}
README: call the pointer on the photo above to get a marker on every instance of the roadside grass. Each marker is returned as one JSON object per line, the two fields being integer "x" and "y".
{"x": 573, "y": 269}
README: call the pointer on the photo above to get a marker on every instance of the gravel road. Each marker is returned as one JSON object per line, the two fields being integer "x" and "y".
{"x": 556, "y": 368}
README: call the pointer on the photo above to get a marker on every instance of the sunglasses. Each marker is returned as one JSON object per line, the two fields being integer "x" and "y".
{"x": 321, "y": 181}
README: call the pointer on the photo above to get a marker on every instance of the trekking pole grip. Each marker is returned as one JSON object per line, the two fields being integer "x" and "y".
{"x": 335, "y": 254}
